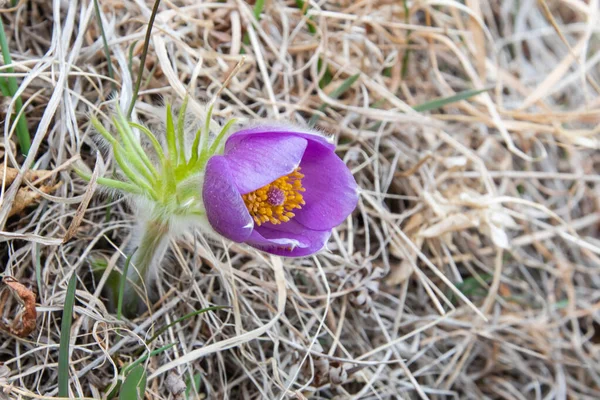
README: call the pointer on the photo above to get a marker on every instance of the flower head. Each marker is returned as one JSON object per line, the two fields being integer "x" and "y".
{"x": 278, "y": 189}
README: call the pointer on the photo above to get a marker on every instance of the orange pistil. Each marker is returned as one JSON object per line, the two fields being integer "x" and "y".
{"x": 274, "y": 202}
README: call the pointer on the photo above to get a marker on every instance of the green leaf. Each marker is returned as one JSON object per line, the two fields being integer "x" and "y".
{"x": 334, "y": 95}
{"x": 153, "y": 140}
{"x": 4, "y": 87}
{"x": 444, "y": 101}
{"x": 171, "y": 140}
{"x": 130, "y": 173}
{"x": 65, "y": 338}
{"x": 103, "y": 131}
{"x": 146, "y": 356}
{"x": 135, "y": 153}
{"x": 344, "y": 87}
{"x": 111, "y": 286}
{"x": 205, "y": 135}
{"x": 311, "y": 25}
{"x": 189, "y": 315}
{"x": 112, "y": 183}
{"x": 134, "y": 386}
{"x": 192, "y": 386}
{"x": 23, "y": 135}
{"x": 258, "y": 8}
{"x": 471, "y": 285}
{"x": 257, "y": 11}
{"x": 327, "y": 75}
{"x": 215, "y": 144}
{"x": 133, "y": 145}
{"x": 180, "y": 130}
{"x": 122, "y": 285}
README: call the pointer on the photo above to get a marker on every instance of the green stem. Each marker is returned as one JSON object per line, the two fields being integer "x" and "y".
{"x": 151, "y": 239}
{"x": 138, "y": 83}
{"x": 22, "y": 130}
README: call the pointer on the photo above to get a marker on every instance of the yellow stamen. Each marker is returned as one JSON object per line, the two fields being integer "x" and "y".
{"x": 274, "y": 202}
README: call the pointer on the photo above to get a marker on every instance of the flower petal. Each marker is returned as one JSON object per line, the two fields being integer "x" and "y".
{"x": 331, "y": 191}
{"x": 225, "y": 208}
{"x": 256, "y": 161}
{"x": 288, "y": 239}
{"x": 277, "y": 129}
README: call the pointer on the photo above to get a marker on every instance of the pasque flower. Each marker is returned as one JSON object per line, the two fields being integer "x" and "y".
{"x": 279, "y": 189}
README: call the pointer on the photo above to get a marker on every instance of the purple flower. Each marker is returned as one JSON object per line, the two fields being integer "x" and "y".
{"x": 278, "y": 189}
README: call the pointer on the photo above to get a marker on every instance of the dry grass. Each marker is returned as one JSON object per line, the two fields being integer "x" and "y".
{"x": 417, "y": 298}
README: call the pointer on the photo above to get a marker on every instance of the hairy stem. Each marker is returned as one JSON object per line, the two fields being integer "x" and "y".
{"x": 151, "y": 239}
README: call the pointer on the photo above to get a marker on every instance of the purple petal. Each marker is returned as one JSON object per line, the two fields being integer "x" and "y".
{"x": 224, "y": 205}
{"x": 331, "y": 191}
{"x": 255, "y": 161}
{"x": 288, "y": 239}
{"x": 276, "y": 130}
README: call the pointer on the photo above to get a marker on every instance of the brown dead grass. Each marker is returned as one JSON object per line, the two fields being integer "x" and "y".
{"x": 469, "y": 269}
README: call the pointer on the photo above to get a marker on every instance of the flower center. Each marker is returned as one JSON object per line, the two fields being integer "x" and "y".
{"x": 274, "y": 202}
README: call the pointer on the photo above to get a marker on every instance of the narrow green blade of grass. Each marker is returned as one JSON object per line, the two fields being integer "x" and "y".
{"x": 128, "y": 368}
{"x": 22, "y": 131}
{"x": 186, "y": 316}
{"x": 471, "y": 284}
{"x": 444, "y": 101}
{"x": 65, "y": 338}
{"x": 257, "y": 11}
{"x": 138, "y": 82}
{"x": 406, "y": 55}
{"x": 122, "y": 285}
{"x": 258, "y": 8}
{"x": 4, "y": 87}
{"x": 143, "y": 358}
{"x": 471, "y": 287}
{"x": 304, "y": 8}
{"x": 334, "y": 95}
{"x": 344, "y": 87}
{"x": 105, "y": 45}
{"x": 327, "y": 75}
{"x": 38, "y": 269}
{"x": 134, "y": 385}
{"x": 108, "y": 214}
{"x": 130, "y": 59}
